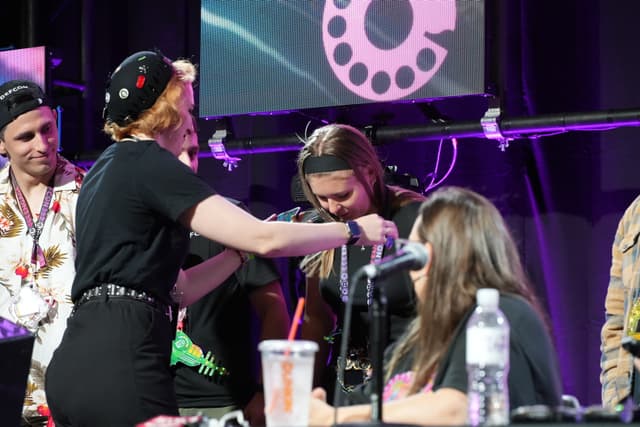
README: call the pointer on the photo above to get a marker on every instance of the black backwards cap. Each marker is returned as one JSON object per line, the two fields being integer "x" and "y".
{"x": 18, "y": 97}
{"x": 135, "y": 86}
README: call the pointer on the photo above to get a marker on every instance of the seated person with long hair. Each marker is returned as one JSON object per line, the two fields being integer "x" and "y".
{"x": 469, "y": 248}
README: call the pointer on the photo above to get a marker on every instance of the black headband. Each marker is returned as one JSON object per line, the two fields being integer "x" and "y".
{"x": 324, "y": 163}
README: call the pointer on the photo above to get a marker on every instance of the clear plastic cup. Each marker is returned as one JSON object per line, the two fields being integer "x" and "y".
{"x": 287, "y": 373}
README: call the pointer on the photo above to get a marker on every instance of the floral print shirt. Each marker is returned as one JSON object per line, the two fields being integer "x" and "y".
{"x": 52, "y": 281}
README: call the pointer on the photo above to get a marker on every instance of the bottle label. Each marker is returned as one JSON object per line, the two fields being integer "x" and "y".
{"x": 487, "y": 346}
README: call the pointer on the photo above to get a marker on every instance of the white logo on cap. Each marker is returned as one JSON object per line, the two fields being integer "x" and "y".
{"x": 107, "y": 97}
{"x": 13, "y": 90}
{"x": 123, "y": 93}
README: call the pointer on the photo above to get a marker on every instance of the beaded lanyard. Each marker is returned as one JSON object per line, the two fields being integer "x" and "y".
{"x": 34, "y": 229}
{"x": 376, "y": 255}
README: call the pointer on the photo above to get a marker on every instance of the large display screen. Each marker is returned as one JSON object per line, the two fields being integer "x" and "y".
{"x": 275, "y": 55}
{"x": 24, "y": 64}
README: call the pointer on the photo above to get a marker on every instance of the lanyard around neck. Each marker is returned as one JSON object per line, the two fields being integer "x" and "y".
{"x": 376, "y": 255}
{"x": 34, "y": 228}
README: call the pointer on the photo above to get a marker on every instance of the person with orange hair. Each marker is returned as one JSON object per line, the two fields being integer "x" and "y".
{"x": 135, "y": 211}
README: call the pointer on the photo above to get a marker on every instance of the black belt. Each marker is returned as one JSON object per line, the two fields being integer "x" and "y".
{"x": 117, "y": 291}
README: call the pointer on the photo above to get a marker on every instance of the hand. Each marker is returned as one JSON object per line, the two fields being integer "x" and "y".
{"x": 376, "y": 229}
{"x": 254, "y": 411}
{"x": 320, "y": 413}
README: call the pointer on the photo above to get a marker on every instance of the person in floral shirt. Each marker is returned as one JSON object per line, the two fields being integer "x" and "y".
{"x": 38, "y": 193}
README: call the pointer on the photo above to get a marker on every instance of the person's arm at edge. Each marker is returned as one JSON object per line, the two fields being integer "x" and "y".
{"x": 199, "y": 280}
{"x": 445, "y": 406}
{"x": 611, "y": 334}
{"x": 271, "y": 309}
{"x": 318, "y": 321}
{"x": 233, "y": 227}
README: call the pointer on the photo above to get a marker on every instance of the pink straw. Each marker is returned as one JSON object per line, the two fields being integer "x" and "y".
{"x": 292, "y": 335}
{"x": 296, "y": 319}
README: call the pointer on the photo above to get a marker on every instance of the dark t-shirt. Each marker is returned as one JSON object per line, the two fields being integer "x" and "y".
{"x": 397, "y": 288}
{"x": 127, "y": 219}
{"x": 221, "y": 322}
{"x": 534, "y": 376}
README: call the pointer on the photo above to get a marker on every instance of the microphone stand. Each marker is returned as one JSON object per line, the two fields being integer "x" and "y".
{"x": 377, "y": 342}
{"x": 344, "y": 342}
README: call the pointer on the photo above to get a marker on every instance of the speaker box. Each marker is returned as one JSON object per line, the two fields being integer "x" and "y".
{"x": 16, "y": 346}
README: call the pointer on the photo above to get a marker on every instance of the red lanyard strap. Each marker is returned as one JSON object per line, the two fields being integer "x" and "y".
{"x": 34, "y": 229}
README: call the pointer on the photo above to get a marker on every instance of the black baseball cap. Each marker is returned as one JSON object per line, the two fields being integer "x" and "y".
{"x": 18, "y": 97}
{"x": 135, "y": 86}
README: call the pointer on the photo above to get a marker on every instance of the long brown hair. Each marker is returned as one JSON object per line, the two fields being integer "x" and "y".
{"x": 349, "y": 144}
{"x": 164, "y": 115}
{"x": 472, "y": 249}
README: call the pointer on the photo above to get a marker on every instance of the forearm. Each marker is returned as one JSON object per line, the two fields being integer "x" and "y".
{"x": 282, "y": 239}
{"x": 444, "y": 407}
{"x": 314, "y": 332}
{"x": 275, "y": 238}
{"x": 354, "y": 413}
{"x": 201, "y": 279}
{"x": 271, "y": 309}
{"x": 318, "y": 322}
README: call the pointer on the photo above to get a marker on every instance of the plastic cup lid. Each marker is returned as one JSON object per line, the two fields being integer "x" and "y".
{"x": 284, "y": 345}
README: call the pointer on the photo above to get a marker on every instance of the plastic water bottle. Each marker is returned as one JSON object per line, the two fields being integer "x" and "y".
{"x": 487, "y": 360}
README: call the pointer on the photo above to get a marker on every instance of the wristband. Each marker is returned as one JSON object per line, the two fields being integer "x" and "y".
{"x": 353, "y": 232}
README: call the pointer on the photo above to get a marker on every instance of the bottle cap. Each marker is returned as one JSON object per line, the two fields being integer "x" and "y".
{"x": 488, "y": 298}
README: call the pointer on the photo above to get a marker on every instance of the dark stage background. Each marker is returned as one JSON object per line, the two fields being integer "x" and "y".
{"x": 562, "y": 194}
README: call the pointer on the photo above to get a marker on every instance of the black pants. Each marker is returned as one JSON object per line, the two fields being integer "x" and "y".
{"x": 112, "y": 367}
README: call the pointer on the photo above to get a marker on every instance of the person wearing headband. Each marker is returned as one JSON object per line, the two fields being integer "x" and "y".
{"x": 343, "y": 179}
{"x": 426, "y": 380}
{"x": 38, "y": 195}
{"x": 135, "y": 211}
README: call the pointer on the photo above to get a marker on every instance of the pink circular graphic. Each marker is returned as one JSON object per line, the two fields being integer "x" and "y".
{"x": 375, "y": 73}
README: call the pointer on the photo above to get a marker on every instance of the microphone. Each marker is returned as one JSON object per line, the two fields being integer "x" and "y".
{"x": 412, "y": 256}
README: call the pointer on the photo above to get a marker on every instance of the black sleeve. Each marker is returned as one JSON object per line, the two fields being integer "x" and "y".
{"x": 534, "y": 373}
{"x": 167, "y": 185}
{"x": 253, "y": 274}
{"x": 533, "y": 369}
{"x": 405, "y": 217}
{"x": 256, "y": 272}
